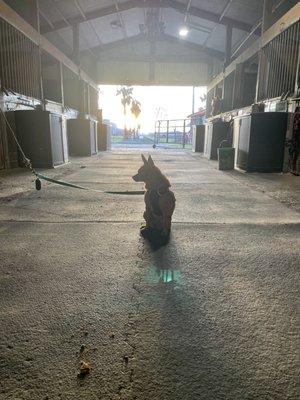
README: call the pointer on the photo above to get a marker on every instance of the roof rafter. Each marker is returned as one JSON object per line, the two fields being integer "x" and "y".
{"x": 129, "y": 4}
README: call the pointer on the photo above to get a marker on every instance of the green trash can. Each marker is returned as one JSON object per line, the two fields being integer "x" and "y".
{"x": 226, "y": 158}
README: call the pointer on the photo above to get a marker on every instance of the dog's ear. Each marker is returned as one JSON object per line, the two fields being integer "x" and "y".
{"x": 150, "y": 161}
{"x": 144, "y": 159}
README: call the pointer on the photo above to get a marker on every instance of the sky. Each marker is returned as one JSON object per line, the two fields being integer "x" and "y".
{"x": 157, "y": 102}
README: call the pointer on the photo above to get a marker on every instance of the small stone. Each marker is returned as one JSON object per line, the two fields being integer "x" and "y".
{"x": 85, "y": 368}
{"x": 112, "y": 335}
{"x": 126, "y": 359}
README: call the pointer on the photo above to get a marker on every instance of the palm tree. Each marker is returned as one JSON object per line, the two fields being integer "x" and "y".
{"x": 136, "y": 111}
{"x": 126, "y": 99}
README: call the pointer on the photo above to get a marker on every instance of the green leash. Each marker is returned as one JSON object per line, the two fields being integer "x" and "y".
{"x": 72, "y": 185}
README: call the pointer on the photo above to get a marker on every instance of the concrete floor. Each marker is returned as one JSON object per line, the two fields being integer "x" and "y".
{"x": 212, "y": 315}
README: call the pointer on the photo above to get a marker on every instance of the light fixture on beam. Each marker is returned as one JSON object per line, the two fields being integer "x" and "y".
{"x": 183, "y": 31}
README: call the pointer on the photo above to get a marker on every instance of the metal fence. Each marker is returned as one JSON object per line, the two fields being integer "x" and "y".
{"x": 19, "y": 62}
{"x": 173, "y": 133}
{"x": 279, "y": 70}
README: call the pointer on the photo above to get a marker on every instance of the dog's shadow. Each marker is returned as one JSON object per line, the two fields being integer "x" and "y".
{"x": 155, "y": 239}
{"x": 165, "y": 264}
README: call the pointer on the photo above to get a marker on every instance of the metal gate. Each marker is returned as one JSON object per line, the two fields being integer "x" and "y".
{"x": 173, "y": 133}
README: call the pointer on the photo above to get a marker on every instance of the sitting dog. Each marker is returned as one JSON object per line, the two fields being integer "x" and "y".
{"x": 159, "y": 200}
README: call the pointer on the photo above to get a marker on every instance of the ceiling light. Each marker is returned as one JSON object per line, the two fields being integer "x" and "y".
{"x": 183, "y": 31}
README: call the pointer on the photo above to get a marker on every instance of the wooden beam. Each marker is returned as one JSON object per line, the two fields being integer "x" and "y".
{"x": 14, "y": 19}
{"x": 129, "y": 4}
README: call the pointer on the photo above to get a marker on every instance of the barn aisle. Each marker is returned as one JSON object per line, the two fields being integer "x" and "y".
{"x": 212, "y": 315}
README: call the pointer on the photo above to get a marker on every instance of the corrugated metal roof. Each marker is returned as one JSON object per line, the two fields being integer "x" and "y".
{"x": 104, "y": 30}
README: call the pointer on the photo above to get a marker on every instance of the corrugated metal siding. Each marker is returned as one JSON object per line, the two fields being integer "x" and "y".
{"x": 19, "y": 62}
{"x": 118, "y": 72}
{"x": 194, "y": 74}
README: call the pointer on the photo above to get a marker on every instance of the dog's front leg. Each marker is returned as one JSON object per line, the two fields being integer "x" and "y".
{"x": 167, "y": 221}
{"x": 147, "y": 218}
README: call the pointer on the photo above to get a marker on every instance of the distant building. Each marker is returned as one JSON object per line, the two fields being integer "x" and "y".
{"x": 198, "y": 117}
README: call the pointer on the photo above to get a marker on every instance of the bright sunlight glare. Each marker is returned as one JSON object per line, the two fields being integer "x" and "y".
{"x": 157, "y": 102}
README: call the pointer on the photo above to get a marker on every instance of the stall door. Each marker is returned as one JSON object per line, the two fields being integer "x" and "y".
{"x": 94, "y": 146}
{"x": 56, "y": 139}
{"x": 244, "y": 140}
{"x": 208, "y": 140}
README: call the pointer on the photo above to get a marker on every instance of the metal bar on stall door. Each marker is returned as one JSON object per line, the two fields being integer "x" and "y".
{"x": 18, "y": 62}
{"x": 294, "y": 56}
{"x": 38, "y": 80}
{"x": 21, "y": 65}
{"x": 260, "y": 74}
{"x": 298, "y": 61}
{"x": 276, "y": 66}
{"x": 24, "y": 52}
{"x": 285, "y": 62}
{"x": 11, "y": 60}
{"x": 266, "y": 77}
{"x": 271, "y": 70}
{"x": 29, "y": 66}
{"x": 289, "y": 57}
{"x": 282, "y": 88}
{"x": 23, "y": 72}
{"x": 272, "y": 77}
{"x": 28, "y": 72}
{"x": 289, "y": 47}
{"x": 37, "y": 72}
{"x": 183, "y": 138}
{"x": 1, "y": 53}
{"x": 279, "y": 66}
{"x": 297, "y": 65}
{"x": 6, "y": 52}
